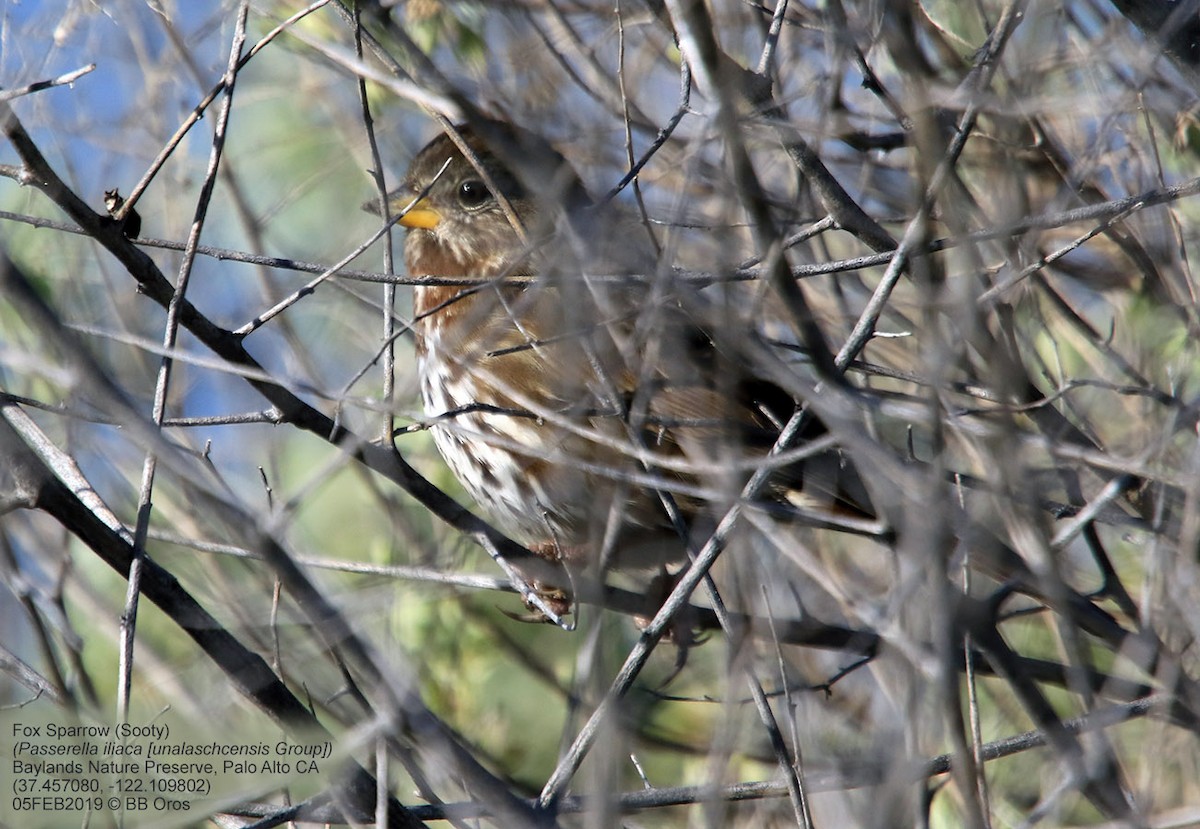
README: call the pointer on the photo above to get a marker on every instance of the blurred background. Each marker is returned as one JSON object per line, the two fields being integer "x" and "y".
{"x": 1018, "y": 648}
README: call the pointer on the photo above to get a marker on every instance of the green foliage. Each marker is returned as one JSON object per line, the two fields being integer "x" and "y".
{"x": 1032, "y": 387}
{"x": 459, "y": 27}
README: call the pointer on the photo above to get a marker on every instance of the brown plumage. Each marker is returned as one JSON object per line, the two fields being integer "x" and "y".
{"x": 560, "y": 393}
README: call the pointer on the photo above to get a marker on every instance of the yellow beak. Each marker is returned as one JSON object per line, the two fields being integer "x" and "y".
{"x": 421, "y": 215}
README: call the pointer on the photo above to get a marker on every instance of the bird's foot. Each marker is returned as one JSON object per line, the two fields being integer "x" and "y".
{"x": 557, "y": 600}
{"x": 683, "y": 631}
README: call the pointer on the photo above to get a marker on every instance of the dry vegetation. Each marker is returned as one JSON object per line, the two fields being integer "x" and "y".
{"x": 965, "y": 227}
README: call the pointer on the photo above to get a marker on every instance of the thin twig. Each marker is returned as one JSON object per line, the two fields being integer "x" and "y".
{"x": 198, "y": 112}
{"x": 857, "y": 775}
{"x": 62, "y": 492}
{"x": 170, "y": 335}
{"x": 389, "y": 291}
{"x": 766, "y": 61}
{"x": 38, "y": 86}
{"x": 555, "y": 786}
{"x": 1094, "y": 212}
{"x": 976, "y": 82}
{"x": 288, "y": 301}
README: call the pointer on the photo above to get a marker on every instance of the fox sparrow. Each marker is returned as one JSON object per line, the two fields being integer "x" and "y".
{"x": 565, "y": 399}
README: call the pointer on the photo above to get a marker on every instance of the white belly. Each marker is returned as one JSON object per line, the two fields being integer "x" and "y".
{"x": 496, "y": 457}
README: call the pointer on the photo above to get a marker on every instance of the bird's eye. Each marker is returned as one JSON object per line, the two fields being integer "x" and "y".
{"x": 473, "y": 193}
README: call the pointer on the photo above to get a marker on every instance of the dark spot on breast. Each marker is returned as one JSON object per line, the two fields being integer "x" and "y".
{"x": 487, "y": 473}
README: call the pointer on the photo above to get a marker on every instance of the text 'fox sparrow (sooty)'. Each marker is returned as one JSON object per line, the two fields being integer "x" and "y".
{"x": 565, "y": 399}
